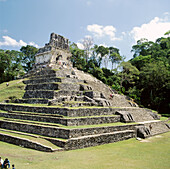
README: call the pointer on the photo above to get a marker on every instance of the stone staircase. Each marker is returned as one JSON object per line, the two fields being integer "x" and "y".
{"x": 70, "y": 128}
{"x": 66, "y": 133}
{"x": 47, "y": 86}
{"x": 67, "y": 109}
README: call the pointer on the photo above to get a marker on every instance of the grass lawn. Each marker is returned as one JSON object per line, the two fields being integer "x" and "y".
{"x": 152, "y": 153}
{"x": 15, "y": 89}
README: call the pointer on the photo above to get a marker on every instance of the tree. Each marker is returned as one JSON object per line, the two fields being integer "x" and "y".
{"x": 143, "y": 47}
{"x": 101, "y": 53}
{"x": 140, "y": 61}
{"x": 11, "y": 65}
{"x": 114, "y": 56}
{"x": 87, "y": 44}
{"x": 129, "y": 74}
{"x": 154, "y": 83}
{"x": 77, "y": 58}
{"x": 29, "y": 56}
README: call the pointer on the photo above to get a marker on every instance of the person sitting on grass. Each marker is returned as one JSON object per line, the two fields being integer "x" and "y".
{"x": 6, "y": 164}
{"x": 13, "y": 167}
{"x": 1, "y": 162}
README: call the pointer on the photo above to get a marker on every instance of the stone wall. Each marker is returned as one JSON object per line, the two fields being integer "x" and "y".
{"x": 61, "y": 132}
{"x": 99, "y": 139}
{"x": 24, "y": 143}
{"x": 36, "y": 129}
{"x": 77, "y": 112}
{"x": 43, "y": 86}
{"x": 63, "y": 121}
{"x": 39, "y": 94}
{"x": 100, "y": 130}
{"x": 92, "y": 120}
{"x": 155, "y": 127}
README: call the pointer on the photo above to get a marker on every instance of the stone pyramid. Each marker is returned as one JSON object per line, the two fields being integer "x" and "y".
{"x": 70, "y": 108}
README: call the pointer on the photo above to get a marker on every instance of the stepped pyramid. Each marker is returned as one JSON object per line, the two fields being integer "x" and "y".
{"x": 71, "y": 109}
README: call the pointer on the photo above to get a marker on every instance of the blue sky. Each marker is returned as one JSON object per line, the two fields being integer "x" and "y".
{"x": 118, "y": 23}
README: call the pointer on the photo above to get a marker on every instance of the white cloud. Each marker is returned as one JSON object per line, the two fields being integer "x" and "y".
{"x": 8, "y": 41}
{"x": 33, "y": 44}
{"x": 103, "y": 44}
{"x": 80, "y": 42}
{"x": 152, "y": 30}
{"x": 80, "y": 45}
{"x": 100, "y": 31}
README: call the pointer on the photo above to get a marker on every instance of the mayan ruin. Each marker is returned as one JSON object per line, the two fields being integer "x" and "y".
{"x": 77, "y": 109}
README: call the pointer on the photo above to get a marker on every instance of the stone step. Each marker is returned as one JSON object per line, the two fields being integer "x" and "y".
{"x": 46, "y": 129}
{"x": 43, "y": 72}
{"x": 61, "y": 120}
{"x": 92, "y": 120}
{"x": 71, "y": 80}
{"x": 99, "y": 139}
{"x": 50, "y": 75}
{"x": 42, "y": 80}
{"x": 68, "y": 98}
{"x": 50, "y": 94}
{"x": 34, "y": 117}
{"x": 77, "y": 104}
{"x": 47, "y": 94}
{"x": 54, "y": 86}
{"x": 82, "y": 131}
{"x": 43, "y": 129}
{"x": 32, "y": 101}
{"x": 57, "y": 101}
{"x": 27, "y": 141}
{"x": 138, "y": 115}
{"x": 43, "y": 86}
{"x": 70, "y": 112}
{"x": 69, "y": 144}
{"x": 47, "y": 71}
{"x": 68, "y": 93}
{"x": 152, "y": 128}
{"x": 93, "y": 94}
{"x": 32, "y": 113}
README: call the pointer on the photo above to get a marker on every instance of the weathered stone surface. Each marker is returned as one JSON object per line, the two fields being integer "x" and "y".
{"x": 36, "y": 129}
{"x": 80, "y": 112}
{"x": 24, "y": 143}
{"x": 32, "y": 101}
{"x": 54, "y": 54}
{"x": 152, "y": 128}
{"x": 125, "y": 116}
{"x": 48, "y": 94}
{"x": 43, "y": 86}
{"x": 60, "y": 132}
{"x": 42, "y": 80}
{"x": 99, "y": 139}
{"x": 61, "y": 120}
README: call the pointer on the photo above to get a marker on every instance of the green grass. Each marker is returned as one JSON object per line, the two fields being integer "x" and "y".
{"x": 163, "y": 118}
{"x": 15, "y": 88}
{"x": 129, "y": 154}
{"x": 98, "y": 125}
{"x": 34, "y": 113}
{"x": 165, "y": 115}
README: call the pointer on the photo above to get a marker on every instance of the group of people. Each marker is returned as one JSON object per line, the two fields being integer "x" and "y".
{"x": 5, "y": 164}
